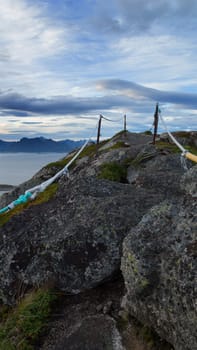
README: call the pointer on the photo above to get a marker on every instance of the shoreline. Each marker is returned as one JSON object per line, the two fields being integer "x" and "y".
{"x": 5, "y": 187}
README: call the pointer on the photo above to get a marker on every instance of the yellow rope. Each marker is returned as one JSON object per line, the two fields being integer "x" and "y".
{"x": 191, "y": 156}
{"x": 185, "y": 153}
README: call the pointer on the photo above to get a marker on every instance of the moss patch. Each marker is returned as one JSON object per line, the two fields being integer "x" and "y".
{"x": 113, "y": 171}
{"x": 89, "y": 150}
{"x": 27, "y": 321}
{"x": 147, "y": 132}
{"x": 191, "y": 149}
{"x": 171, "y": 147}
{"x": 184, "y": 134}
{"x": 41, "y": 198}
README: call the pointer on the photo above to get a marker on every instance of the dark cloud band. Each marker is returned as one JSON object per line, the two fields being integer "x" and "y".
{"x": 68, "y": 105}
{"x": 186, "y": 100}
{"x": 129, "y": 95}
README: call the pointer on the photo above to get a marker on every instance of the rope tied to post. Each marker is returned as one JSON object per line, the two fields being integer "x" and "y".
{"x": 185, "y": 154}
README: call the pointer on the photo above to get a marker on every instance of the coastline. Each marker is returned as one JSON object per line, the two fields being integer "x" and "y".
{"x": 5, "y": 187}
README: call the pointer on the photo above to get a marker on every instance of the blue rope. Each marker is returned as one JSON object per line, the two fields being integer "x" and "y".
{"x": 23, "y": 198}
{"x": 4, "y": 210}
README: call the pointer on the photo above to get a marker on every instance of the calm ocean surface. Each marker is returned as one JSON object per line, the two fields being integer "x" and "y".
{"x": 16, "y": 168}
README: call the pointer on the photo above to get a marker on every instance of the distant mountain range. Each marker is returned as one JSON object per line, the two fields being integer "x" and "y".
{"x": 38, "y": 145}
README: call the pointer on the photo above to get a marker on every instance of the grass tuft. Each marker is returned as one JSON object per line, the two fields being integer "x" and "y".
{"x": 147, "y": 132}
{"x": 171, "y": 147}
{"x": 88, "y": 151}
{"x": 27, "y": 321}
{"x": 113, "y": 171}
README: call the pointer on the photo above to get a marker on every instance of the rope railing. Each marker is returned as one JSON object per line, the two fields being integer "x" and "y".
{"x": 185, "y": 153}
{"x": 111, "y": 120}
{"x": 32, "y": 193}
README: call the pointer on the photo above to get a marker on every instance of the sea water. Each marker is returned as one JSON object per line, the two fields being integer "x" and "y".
{"x": 16, "y": 168}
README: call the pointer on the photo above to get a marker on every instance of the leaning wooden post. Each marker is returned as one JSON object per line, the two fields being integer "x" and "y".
{"x": 99, "y": 129}
{"x": 156, "y": 121}
{"x": 125, "y": 123}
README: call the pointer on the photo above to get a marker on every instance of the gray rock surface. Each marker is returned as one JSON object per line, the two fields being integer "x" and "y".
{"x": 160, "y": 268}
{"x": 74, "y": 240}
{"x": 151, "y": 169}
{"x": 86, "y": 336}
{"x": 94, "y": 320}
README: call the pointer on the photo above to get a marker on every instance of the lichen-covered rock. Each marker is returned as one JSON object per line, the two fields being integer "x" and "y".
{"x": 72, "y": 241}
{"x": 160, "y": 268}
{"x": 189, "y": 182}
{"x": 151, "y": 169}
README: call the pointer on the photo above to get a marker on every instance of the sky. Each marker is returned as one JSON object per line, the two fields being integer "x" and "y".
{"x": 65, "y": 62}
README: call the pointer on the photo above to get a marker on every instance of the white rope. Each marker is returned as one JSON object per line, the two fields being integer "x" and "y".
{"x": 78, "y": 153}
{"x": 111, "y": 120}
{"x": 183, "y": 150}
{"x": 40, "y": 188}
{"x": 31, "y": 193}
{"x": 171, "y": 136}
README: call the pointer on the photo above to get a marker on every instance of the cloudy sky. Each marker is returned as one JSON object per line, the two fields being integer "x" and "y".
{"x": 63, "y": 62}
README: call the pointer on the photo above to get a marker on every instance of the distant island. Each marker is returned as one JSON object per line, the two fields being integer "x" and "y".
{"x": 38, "y": 145}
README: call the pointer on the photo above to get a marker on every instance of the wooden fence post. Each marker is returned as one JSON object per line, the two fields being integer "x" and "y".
{"x": 125, "y": 123}
{"x": 156, "y": 121}
{"x": 99, "y": 129}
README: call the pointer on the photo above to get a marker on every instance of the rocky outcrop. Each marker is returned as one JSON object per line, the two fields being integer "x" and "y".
{"x": 159, "y": 267}
{"x": 72, "y": 240}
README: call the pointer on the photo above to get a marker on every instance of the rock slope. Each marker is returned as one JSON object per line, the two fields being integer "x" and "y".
{"x": 71, "y": 237}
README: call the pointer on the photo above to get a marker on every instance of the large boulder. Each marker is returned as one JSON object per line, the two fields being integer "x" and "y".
{"x": 151, "y": 169}
{"x": 72, "y": 241}
{"x": 160, "y": 269}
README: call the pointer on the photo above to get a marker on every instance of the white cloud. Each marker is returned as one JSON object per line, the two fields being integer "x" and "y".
{"x": 165, "y": 60}
{"x": 26, "y": 34}
{"x": 59, "y": 48}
